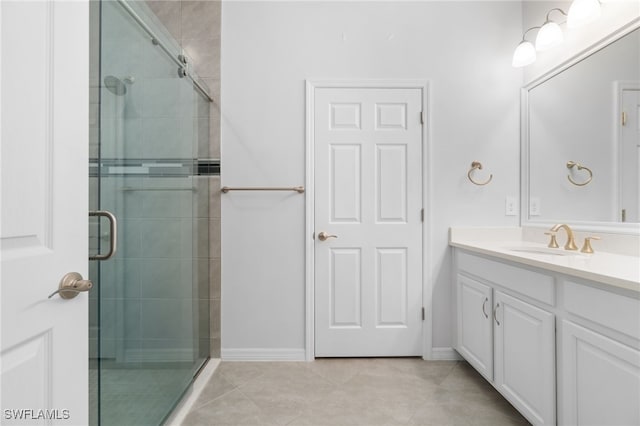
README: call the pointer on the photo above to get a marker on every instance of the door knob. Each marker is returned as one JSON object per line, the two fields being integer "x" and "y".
{"x": 323, "y": 236}
{"x": 70, "y": 285}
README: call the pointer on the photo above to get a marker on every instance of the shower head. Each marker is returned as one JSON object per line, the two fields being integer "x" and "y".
{"x": 115, "y": 85}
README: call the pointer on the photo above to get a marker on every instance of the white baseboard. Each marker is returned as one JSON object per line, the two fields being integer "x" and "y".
{"x": 262, "y": 354}
{"x": 444, "y": 354}
{"x": 191, "y": 395}
{"x": 285, "y": 354}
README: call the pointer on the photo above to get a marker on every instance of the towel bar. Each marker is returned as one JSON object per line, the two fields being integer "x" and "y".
{"x": 298, "y": 189}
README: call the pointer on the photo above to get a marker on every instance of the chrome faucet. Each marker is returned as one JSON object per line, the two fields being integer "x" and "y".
{"x": 571, "y": 243}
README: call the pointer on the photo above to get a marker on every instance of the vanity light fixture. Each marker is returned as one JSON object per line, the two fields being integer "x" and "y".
{"x": 525, "y": 53}
{"x": 582, "y": 12}
{"x": 550, "y": 35}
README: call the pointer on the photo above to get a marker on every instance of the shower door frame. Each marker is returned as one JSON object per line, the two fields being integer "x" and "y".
{"x": 183, "y": 70}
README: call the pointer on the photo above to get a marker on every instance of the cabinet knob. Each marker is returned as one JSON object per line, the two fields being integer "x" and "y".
{"x": 495, "y": 311}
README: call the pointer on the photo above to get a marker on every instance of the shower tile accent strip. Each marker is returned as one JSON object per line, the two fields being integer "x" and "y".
{"x": 210, "y": 167}
{"x": 155, "y": 168}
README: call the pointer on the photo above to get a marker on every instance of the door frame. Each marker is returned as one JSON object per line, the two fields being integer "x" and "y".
{"x": 309, "y": 243}
{"x": 618, "y": 90}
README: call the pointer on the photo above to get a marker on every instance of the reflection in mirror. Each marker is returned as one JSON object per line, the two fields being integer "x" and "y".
{"x": 584, "y": 139}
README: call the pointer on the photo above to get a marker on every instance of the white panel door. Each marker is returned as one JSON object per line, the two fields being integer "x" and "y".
{"x": 368, "y": 193}
{"x": 475, "y": 325}
{"x": 524, "y": 363}
{"x": 630, "y": 156}
{"x": 599, "y": 379}
{"x": 44, "y": 202}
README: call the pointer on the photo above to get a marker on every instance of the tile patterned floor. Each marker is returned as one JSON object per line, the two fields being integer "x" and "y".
{"x": 376, "y": 391}
{"x": 136, "y": 396}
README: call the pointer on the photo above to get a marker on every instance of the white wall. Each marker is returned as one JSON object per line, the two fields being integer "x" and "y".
{"x": 268, "y": 50}
{"x": 615, "y": 14}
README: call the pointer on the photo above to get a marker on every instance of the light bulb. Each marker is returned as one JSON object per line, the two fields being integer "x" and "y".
{"x": 524, "y": 54}
{"x": 583, "y": 12}
{"x": 550, "y": 35}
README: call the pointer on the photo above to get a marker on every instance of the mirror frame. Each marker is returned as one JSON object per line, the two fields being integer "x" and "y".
{"x": 598, "y": 226}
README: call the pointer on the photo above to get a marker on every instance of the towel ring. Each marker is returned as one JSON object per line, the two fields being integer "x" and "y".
{"x": 571, "y": 165}
{"x": 477, "y": 165}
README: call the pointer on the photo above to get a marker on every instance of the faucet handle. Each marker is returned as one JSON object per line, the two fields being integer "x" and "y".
{"x": 553, "y": 243}
{"x": 586, "y": 247}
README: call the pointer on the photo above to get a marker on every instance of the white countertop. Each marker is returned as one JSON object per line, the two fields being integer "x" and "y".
{"x": 504, "y": 243}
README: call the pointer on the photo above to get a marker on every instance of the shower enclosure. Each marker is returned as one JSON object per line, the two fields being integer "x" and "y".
{"x": 149, "y": 314}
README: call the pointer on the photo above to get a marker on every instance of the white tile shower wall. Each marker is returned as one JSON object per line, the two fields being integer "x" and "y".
{"x": 269, "y": 48}
{"x": 196, "y": 26}
{"x": 139, "y": 287}
{"x": 158, "y": 106}
{"x": 94, "y": 103}
{"x": 128, "y": 129}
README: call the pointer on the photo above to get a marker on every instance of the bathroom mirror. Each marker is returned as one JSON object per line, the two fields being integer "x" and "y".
{"x": 580, "y": 154}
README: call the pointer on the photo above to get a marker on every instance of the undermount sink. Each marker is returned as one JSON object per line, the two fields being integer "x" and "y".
{"x": 544, "y": 250}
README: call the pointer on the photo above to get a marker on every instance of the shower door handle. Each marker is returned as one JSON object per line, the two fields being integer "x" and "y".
{"x": 113, "y": 234}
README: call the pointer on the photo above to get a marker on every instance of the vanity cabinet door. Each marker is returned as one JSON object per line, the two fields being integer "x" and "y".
{"x": 475, "y": 328}
{"x": 599, "y": 379}
{"x": 525, "y": 357}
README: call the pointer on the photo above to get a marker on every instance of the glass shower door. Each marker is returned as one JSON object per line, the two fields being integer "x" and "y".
{"x": 149, "y": 316}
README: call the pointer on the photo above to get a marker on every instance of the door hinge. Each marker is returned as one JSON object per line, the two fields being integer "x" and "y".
{"x": 624, "y": 118}
{"x": 421, "y": 117}
{"x": 623, "y": 215}
{"x": 423, "y": 313}
{"x": 422, "y": 215}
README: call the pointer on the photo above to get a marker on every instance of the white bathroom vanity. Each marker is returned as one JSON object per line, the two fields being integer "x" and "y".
{"x": 556, "y": 332}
